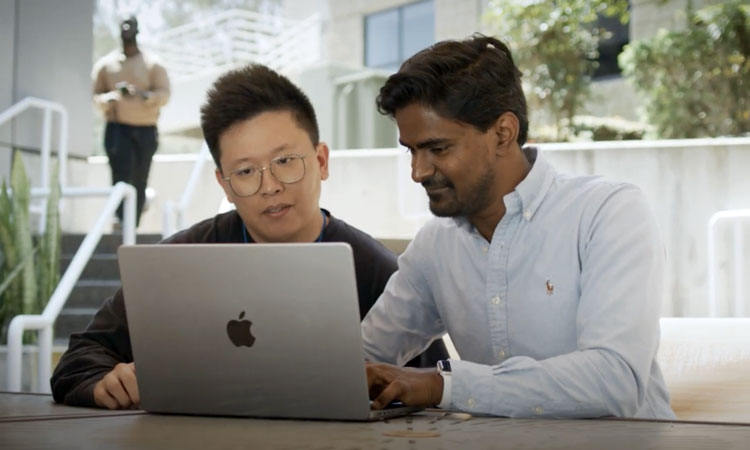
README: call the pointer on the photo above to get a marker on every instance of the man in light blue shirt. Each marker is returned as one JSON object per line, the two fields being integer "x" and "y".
{"x": 549, "y": 285}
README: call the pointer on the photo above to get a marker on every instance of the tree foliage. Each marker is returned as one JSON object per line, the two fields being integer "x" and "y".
{"x": 696, "y": 82}
{"x": 555, "y": 44}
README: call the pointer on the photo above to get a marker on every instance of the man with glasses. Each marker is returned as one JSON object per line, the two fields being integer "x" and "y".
{"x": 549, "y": 285}
{"x": 263, "y": 136}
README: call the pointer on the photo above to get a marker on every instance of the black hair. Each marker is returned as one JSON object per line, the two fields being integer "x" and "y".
{"x": 244, "y": 93}
{"x": 473, "y": 81}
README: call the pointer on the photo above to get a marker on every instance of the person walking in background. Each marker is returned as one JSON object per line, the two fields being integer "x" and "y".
{"x": 130, "y": 87}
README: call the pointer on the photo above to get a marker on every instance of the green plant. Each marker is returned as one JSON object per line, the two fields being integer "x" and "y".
{"x": 29, "y": 266}
{"x": 696, "y": 81}
{"x": 555, "y": 45}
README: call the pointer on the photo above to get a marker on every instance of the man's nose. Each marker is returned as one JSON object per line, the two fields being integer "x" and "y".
{"x": 421, "y": 166}
{"x": 269, "y": 184}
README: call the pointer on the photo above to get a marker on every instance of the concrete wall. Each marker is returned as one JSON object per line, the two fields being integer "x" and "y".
{"x": 46, "y": 50}
{"x": 7, "y": 55}
{"x": 684, "y": 181}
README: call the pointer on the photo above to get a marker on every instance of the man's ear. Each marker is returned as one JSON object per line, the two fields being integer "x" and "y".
{"x": 224, "y": 185}
{"x": 505, "y": 130}
{"x": 321, "y": 155}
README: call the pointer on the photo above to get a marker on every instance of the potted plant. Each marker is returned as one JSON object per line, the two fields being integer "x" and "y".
{"x": 29, "y": 265}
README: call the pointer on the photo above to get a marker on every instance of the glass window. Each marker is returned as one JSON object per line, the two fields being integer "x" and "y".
{"x": 381, "y": 39}
{"x": 610, "y": 48}
{"x": 393, "y": 35}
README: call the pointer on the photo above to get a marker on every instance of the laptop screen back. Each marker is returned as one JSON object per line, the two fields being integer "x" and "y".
{"x": 266, "y": 330}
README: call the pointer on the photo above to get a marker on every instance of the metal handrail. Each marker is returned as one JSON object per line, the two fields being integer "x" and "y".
{"x": 173, "y": 216}
{"x": 44, "y": 322}
{"x": 735, "y": 216}
{"x": 48, "y": 107}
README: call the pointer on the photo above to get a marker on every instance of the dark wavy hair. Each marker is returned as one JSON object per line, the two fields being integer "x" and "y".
{"x": 244, "y": 93}
{"x": 473, "y": 81}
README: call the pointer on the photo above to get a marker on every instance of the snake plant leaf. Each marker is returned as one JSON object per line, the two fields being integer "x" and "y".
{"x": 48, "y": 262}
{"x": 22, "y": 232}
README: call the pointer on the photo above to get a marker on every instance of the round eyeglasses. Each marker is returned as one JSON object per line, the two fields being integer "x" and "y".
{"x": 246, "y": 181}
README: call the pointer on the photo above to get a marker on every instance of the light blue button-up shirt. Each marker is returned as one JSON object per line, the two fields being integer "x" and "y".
{"x": 557, "y": 316}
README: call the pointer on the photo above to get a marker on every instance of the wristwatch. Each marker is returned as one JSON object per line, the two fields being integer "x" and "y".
{"x": 444, "y": 370}
{"x": 444, "y": 367}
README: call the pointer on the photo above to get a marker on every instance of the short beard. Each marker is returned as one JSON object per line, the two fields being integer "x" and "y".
{"x": 479, "y": 198}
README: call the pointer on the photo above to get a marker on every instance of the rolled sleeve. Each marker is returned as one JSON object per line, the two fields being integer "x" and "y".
{"x": 404, "y": 320}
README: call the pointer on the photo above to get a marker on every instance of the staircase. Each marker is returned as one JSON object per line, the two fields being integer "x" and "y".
{"x": 99, "y": 280}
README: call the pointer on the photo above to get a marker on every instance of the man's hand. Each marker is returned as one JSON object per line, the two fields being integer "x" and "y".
{"x": 126, "y": 89}
{"x": 110, "y": 97}
{"x": 412, "y": 387}
{"x": 118, "y": 389}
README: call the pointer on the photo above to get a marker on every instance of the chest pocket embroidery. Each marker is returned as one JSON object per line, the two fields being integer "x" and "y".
{"x": 550, "y": 288}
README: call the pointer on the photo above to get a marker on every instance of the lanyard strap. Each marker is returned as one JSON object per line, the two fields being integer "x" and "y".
{"x": 319, "y": 239}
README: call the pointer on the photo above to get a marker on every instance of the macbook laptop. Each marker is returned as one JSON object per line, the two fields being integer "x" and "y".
{"x": 264, "y": 330}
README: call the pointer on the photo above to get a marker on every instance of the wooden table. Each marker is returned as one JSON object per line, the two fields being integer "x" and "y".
{"x": 16, "y": 407}
{"x": 427, "y": 430}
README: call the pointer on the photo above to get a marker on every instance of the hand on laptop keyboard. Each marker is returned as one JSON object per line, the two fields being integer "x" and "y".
{"x": 413, "y": 387}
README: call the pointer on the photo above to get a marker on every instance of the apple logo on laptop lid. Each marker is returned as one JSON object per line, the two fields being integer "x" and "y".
{"x": 239, "y": 332}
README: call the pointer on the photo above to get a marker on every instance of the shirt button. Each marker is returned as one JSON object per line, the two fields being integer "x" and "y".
{"x": 496, "y": 300}
{"x": 538, "y": 410}
{"x": 527, "y": 214}
{"x": 484, "y": 249}
{"x": 471, "y": 402}
{"x": 501, "y": 354}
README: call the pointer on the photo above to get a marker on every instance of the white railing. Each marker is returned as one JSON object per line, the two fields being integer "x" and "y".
{"x": 173, "y": 216}
{"x": 736, "y": 217}
{"x": 237, "y": 37}
{"x": 44, "y": 322}
{"x": 47, "y": 107}
{"x": 294, "y": 47}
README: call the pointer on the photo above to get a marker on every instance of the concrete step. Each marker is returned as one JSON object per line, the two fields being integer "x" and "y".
{"x": 107, "y": 244}
{"x": 91, "y": 293}
{"x": 101, "y": 266}
{"x": 99, "y": 280}
{"x": 72, "y": 320}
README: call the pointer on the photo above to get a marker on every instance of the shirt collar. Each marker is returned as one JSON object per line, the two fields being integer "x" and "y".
{"x": 528, "y": 194}
{"x": 535, "y": 186}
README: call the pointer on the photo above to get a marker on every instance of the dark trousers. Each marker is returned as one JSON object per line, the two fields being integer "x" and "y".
{"x": 130, "y": 150}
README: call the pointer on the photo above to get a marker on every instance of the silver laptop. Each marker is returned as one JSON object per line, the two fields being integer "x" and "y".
{"x": 265, "y": 330}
